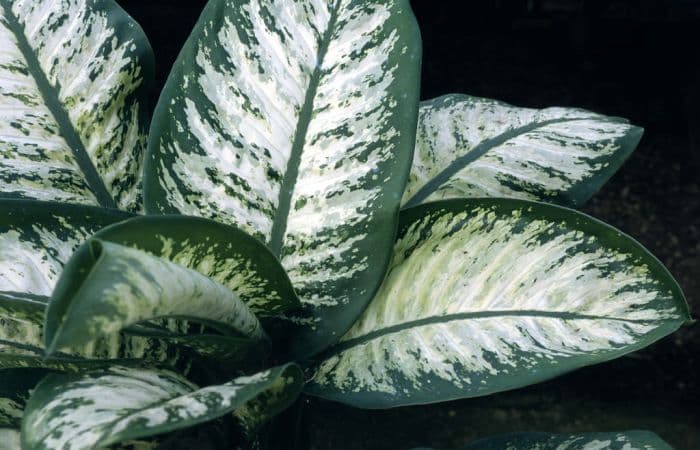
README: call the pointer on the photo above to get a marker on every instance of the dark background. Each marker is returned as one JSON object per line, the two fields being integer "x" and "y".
{"x": 637, "y": 59}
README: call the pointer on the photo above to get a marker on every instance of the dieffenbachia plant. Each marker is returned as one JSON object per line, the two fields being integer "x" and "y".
{"x": 292, "y": 201}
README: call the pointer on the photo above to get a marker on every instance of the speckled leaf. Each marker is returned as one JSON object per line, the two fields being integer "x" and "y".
{"x": 74, "y": 76}
{"x": 107, "y": 287}
{"x": 221, "y": 252}
{"x": 486, "y": 295}
{"x": 36, "y": 241}
{"x": 296, "y": 122}
{"x": 22, "y": 346}
{"x": 625, "y": 440}
{"x": 475, "y": 147}
{"x": 92, "y": 410}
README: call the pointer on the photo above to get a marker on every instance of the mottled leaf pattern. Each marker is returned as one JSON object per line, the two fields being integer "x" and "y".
{"x": 73, "y": 80}
{"x": 492, "y": 294}
{"x": 221, "y": 252}
{"x": 107, "y": 287}
{"x": 626, "y": 440}
{"x": 475, "y": 147}
{"x": 100, "y": 408}
{"x": 36, "y": 241}
{"x": 37, "y": 238}
{"x": 295, "y": 121}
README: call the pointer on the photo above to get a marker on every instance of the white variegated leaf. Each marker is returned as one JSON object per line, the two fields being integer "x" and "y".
{"x": 108, "y": 287}
{"x": 96, "y": 409}
{"x": 485, "y": 295}
{"x": 220, "y": 252}
{"x": 73, "y": 80}
{"x": 36, "y": 241}
{"x": 476, "y": 147}
{"x": 625, "y": 440}
{"x": 295, "y": 121}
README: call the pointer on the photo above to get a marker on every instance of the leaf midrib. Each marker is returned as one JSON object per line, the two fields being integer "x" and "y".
{"x": 279, "y": 222}
{"x": 477, "y": 152}
{"x": 431, "y": 320}
{"x": 59, "y": 113}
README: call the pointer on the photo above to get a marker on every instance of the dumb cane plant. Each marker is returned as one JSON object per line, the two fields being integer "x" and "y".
{"x": 294, "y": 222}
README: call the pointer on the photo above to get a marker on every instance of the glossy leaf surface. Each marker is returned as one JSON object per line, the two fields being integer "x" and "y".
{"x": 96, "y": 409}
{"x": 107, "y": 287}
{"x": 475, "y": 147}
{"x": 74, "y": 76}
{"x": 296, "y": 122}
{"x": 486, "y": 295}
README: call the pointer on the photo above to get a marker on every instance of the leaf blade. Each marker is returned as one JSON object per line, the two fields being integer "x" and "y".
{"x": 474, "y": 147}
{"x": 140, "y": 403}
{"x": 120, "y": 286}
{"x": 486, "y": 295}
{"x": 295, "y": 122}
{"x": 75, "y": 79}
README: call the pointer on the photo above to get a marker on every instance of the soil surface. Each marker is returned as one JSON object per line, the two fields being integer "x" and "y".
{"x": 635, "y": 59}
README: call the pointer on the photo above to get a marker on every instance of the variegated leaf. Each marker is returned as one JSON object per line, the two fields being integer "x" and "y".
{"x": 9, "y": 439}
{"x": 485, "y": 295}
{"x": 74, "y": 76}
{"x": 36, "y": 241}
{"x": 295, "y": 121}
{"x": 107, "y": 287}
{"x": 475, "y": 147}
{"x": 221, "y": 252}
{"x": 15, "y": 387}
{"x": 96, "y": 409}
{"x": 37, "y": 238}
{"x": 22, "y": 346}
{"x": 626, "y": 440}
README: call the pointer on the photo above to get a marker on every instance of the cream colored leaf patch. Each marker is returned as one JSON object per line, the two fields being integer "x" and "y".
{"x": 96, "y": 409}
{"x": 108, "y": 287}
{"x": 295, "y": 121}
{"x": 492, "y": 294}
{"x": 475, "y": 147}
{"x": 73, "y": 80}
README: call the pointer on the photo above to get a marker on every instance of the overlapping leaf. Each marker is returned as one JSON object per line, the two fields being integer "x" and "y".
{"x": 73, "y": 79}
{"x": 295, "y": 121}
{"x": 107, "y": 287}
{"x": 476, "y": 147}
{"x": 492, "y": 294}
{"x": 36, "y": 241}
{"x": 626, "y": 440}
{"x": 96, "y": 409}
{"x": 220, "y": 252}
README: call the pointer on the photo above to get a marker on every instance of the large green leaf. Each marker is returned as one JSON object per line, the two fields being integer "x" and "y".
{"x": 626, "y": 440}
{"x": 220, "y": 252}
{"x": 92, "y": 410}
{"x": 296, "y": 122}
{"x": 475, "y": 147}
{"x": 74, "y": 76}
{"x": 107, "y": 287}
{"x": 485, "y": 295}
{"x": 36, "y": 241}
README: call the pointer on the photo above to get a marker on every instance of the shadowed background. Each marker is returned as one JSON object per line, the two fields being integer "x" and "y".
{"x": 631, "y": 58}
